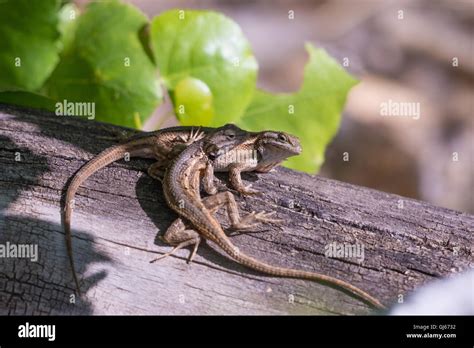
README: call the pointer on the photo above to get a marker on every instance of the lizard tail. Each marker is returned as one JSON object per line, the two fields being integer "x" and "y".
{"x": 106, "y": 157}
{"x": 263, "y": 267}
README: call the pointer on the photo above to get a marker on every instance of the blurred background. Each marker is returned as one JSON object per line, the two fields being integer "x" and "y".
{"x": 404, "y": 51}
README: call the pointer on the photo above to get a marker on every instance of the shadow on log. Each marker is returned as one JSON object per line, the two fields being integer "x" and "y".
{"x": 120, "y": 211}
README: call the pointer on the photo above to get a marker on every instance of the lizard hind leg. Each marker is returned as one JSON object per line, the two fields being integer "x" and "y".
{"x": 214, "y": 203}
{"x": 180, "y": 237}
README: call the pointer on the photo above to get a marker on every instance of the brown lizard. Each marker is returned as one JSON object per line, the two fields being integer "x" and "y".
{"x": 160, "y": 145}
{"x": 181, "y": 189}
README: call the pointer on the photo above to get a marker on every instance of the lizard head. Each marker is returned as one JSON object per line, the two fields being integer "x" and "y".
{"x": 223, "y": 139}
{"x": 274, "y": 147}
{"x": 251, "y": 151}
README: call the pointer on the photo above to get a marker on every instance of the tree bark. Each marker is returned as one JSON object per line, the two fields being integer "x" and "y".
{"x": 120, "y": 211}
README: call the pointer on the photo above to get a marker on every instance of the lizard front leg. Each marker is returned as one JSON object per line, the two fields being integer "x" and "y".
{"x": 235, "y": 178}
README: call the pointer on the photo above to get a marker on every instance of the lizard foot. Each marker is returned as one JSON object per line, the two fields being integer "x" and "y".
{"x": 193, "y": 241}
{"x": 194, "y": 136}
{"x": 253, "y": 220}
{"x": 248, "y": 190}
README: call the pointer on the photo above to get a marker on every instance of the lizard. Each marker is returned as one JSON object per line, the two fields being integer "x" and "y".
{"x": 181, "y": 190}
{"x": 160, "y": 145}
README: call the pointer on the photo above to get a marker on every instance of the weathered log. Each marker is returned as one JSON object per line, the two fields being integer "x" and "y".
{"x": 120, "y": 211}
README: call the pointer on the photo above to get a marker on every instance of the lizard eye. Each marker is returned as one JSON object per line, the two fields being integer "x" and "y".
{"x": 230, "y": 135}
{"x": 281, "y": 137}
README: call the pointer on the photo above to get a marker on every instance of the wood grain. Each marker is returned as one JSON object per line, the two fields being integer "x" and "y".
{"x": 120, "y": 212}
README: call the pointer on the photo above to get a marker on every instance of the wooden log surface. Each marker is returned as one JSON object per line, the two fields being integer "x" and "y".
{"x": 120, "y": 212}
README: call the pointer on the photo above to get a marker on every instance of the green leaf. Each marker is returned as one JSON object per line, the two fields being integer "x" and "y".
{"x": 209, "y": 47}
{"x": 29, "y": 43}
{"x": 28, "y": 99}
{"x": 312, "y": 113}
{"x": 106, "y": 63}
